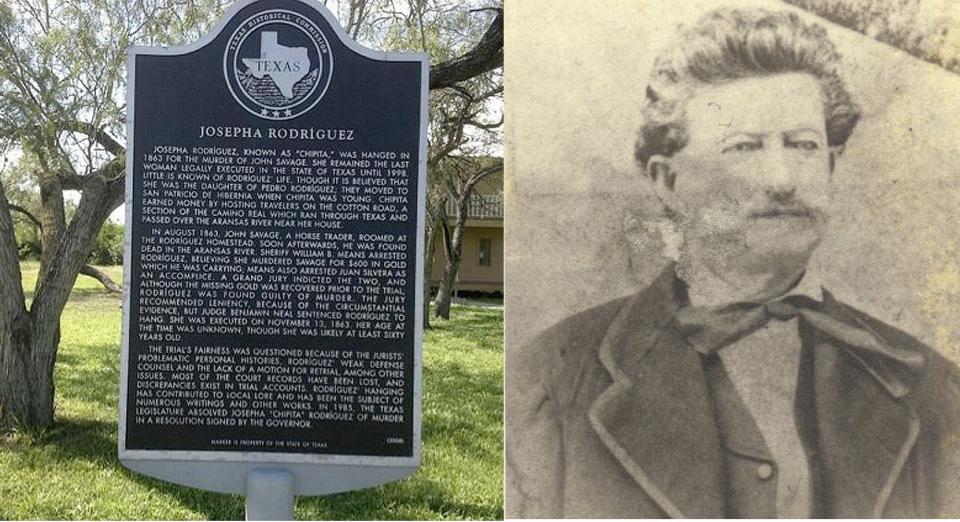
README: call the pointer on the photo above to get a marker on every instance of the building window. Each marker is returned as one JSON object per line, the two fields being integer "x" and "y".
{"x": 486, "y": 247}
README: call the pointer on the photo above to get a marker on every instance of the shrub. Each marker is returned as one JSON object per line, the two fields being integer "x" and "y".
{"x": 108, "y": 249}
{"x": 28, "y": 239}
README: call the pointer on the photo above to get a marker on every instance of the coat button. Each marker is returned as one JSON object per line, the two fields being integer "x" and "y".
{"x": 764, "y": 471}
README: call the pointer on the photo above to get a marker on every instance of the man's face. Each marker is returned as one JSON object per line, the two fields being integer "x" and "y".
{"x": 752, "y": 186}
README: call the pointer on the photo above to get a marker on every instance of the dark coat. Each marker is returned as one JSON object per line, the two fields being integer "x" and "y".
{"x": 609, "y": 416}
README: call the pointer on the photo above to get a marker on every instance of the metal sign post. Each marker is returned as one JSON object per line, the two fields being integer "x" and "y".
{"x": 269, "y": 494}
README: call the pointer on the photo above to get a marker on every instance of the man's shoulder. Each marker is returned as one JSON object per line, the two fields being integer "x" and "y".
{"x": 563, "y": 347}
{"x": 897, "y": 337}
{"x": 582, "y": 328}
{"x": 937, "y": 382}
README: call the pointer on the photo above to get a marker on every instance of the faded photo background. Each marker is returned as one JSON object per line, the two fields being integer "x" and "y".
{"x": 582, "y": 225}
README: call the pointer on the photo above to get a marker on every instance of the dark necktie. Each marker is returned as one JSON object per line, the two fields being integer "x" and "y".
{"x": 711, "y": 329}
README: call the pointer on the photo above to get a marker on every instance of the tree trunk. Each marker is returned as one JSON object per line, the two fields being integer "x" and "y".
{"x": 29, "y": 340}
{"x": 453, "y": 239}
{"x": 86, "y": 270}
{"x": 18, "y": 403}
{"x": 453, "y": 247}
{"x": 53, "y": 217}
{"x": 445, "y": 289}
{"x": 427, "y": 269}
{"x": 21, "y": 388}
{"x": 104, "y": 279}
{"x": 430, "y": 252}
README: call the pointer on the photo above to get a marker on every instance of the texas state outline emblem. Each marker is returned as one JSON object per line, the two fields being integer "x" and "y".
{"x": 277, "y": 64}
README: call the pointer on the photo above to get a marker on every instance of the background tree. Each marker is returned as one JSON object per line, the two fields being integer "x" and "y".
{"x": 24, "y": 199}
{"x": 465, "y": 121}
{"x": 458, "y": 161}
{"x": 62, "y": 79}
{"x": 461, "y": 176}
{"x": 465, "y": 44}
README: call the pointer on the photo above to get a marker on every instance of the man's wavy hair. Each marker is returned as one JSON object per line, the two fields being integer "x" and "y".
{"x": 729, "y": 44}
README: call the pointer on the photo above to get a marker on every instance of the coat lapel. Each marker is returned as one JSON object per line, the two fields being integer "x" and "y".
{"x": 865, "y": 429}
{"x": 656, "y": 418}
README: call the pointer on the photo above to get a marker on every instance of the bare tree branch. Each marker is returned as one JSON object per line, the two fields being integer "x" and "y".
{"x": 476, "y": 177}
{"x": 104, "y": 279}
{"x": 485, "y": 56}
{"x": 29, "y": 215}
{"x": 86, "y": 270}
{"x": 485, "y": 126}
{"x": 70, "y": 181}
{"x": 96, "y": 134}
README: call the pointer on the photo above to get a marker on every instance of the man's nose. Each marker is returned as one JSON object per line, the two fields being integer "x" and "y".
{"x": 779, "y": 179}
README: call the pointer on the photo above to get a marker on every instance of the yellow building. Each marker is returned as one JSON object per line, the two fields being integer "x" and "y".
{"x": 481, "y": 266}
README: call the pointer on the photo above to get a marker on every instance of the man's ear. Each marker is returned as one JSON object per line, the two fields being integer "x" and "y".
{"x": 835, "y": 153}
{"x": 661, "y": 174}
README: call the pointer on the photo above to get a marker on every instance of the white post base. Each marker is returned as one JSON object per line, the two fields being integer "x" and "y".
{"x": 269, "y": 494}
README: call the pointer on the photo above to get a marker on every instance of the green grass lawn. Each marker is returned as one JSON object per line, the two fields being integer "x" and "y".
{"x": 71, "y": 471}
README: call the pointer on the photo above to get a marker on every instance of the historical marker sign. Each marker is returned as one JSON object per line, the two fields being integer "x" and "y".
{"x": 274, "y": 255}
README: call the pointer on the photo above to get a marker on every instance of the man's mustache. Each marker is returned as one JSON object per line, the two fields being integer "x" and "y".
{"x": 796, "y": 208}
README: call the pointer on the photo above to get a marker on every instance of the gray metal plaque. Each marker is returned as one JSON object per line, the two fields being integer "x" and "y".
{"x": 274, "y": 255}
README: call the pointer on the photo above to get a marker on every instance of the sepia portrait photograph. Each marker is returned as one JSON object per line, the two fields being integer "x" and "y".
{"x": 732, "y": 259}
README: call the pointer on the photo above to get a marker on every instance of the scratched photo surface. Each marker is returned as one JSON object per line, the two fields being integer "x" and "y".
{"x": 586, "y": 233}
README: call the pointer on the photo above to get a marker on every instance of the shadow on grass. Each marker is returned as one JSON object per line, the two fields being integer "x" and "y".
{"x": 70, "y": 439}
{"x": 91, "y": 374}
{"x": 415, "y": 498}
{"x": 213, "y": 506}
{"x": 96, "y": 442}
{"x": 482, "y": 326}
{"x": 461, "y": 410}
{"x": 462, "y": 415}
{"x": 469, "y": 317}
{"x": 459, "y": 406}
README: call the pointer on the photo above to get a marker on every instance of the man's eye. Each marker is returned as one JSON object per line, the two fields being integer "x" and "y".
{"x": 806, "y": 145}
{"x": 744, "y": 146}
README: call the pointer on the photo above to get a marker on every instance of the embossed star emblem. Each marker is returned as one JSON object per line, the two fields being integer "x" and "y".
{"x": 288, "y": 112}
{"x": 276, "y": 114}
{"x": 263, "y": 112}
